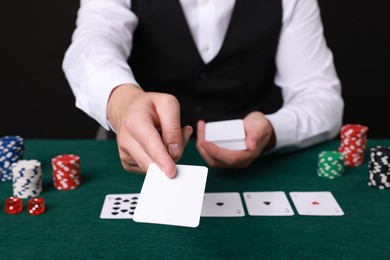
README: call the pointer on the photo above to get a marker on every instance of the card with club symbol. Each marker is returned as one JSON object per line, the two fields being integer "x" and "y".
{"x": 273, "y": 203}
{"x": 223, "y": 204}
{"x": 316, "y": 203}
{"x": 119, "y": 206}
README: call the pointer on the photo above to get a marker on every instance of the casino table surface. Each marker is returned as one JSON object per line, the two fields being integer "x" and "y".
{"x": 71, "y": 228}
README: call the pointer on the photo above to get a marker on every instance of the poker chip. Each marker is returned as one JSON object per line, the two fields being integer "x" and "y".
{"x": 379, "y": 167}
{"x": 353, "y": 143}
{"x": 331, "y": 164}
{"x": 66, "y": 171}
{"x": 11, "y": 151}
{"x": 26, "y": 178}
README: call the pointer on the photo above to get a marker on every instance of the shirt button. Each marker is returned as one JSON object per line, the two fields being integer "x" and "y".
{"x": 206, "y": 47}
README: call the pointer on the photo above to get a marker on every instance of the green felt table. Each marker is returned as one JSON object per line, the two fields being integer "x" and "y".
{"x": 71, "y": 228}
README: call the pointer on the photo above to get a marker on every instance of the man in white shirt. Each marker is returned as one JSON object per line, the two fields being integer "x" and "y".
{"x": 141, "y": 67}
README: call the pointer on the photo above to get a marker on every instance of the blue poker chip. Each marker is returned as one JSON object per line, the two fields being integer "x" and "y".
{"x": 11, "y": 151}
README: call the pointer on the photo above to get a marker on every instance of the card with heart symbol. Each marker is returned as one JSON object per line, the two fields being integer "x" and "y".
{"x": 320, "y": 203}
{"x": 224, "y": 204}
{"x": 273, "y": 203}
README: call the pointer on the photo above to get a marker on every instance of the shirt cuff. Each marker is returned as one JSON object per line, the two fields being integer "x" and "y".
{"x": 105, "y": 85}
{"x": 285, "y": 130}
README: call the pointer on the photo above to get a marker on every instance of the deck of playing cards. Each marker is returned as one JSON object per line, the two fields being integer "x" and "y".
{"x": 229, "y": 134}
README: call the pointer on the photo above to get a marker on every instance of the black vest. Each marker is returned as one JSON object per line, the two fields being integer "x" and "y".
{"x": 239, "y": 80}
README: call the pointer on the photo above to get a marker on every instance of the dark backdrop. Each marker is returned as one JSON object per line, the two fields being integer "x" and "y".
{"x": 358, "y": 33}
{"x": 36, "y": 101}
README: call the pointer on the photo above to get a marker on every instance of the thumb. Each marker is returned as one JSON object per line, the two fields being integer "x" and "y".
{"x": 252, "y": 132}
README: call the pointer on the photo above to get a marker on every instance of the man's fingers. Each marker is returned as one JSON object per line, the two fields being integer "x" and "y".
{"x": 201, "y": 125}
{"x": 146, "y": 116}
{"x": 205, "y": 148}
{"x": 259, "y": 132}
{"x": 132, "y": 168}
{"x": 168, "y": 112}
{"x": 150, "y": 143}
{"x": 132, "y": 155}
{"x": 252, "y": 135}
{"x": 186, "y": 134}
{"x": 219, "y": 157}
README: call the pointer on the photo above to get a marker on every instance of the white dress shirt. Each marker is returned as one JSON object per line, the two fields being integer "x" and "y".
{"x": 96, "y": 62}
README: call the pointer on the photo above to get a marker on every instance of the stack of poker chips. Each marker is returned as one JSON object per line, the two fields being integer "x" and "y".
{"x": 27, "y": 179}
{"x": 379, "y": 167}
{"x": 353, "y": 143}
{"x": 11, "y": 151}
{"x": 330, "y": 164}
{"x": 66, "y": 171}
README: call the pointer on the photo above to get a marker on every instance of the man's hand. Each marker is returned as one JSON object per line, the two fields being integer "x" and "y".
{"x": 259, "y": 136}
{"x": 137, "y": 117}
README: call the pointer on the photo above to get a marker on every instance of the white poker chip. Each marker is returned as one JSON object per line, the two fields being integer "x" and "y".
{"x": 27, "y": 178}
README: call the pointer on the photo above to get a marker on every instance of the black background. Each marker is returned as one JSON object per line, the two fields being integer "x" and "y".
{"x": 37, "y": 102}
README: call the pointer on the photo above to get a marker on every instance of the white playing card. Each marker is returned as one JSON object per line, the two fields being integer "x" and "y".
{"x": 176, "y": 201}
{"x": 224, "y": 204}
{"x": 316, "y": 203}
{"x": 273, "y": 203}
{"x": 228, "y": 134}
{"x": 119, "y": 206}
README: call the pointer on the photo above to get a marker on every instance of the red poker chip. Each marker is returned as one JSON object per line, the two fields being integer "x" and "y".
{"x": 66, "y": 184}
{"x": 67, "y": 159}
{"x": 349, "y": 149}
{"x": 66, "y": 172}
{"x": 353, "y": 143}
{"x": 353, "y": 159}
{"x": 353, "y": 130}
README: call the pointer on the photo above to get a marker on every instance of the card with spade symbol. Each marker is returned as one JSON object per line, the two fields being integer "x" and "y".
{"x": 224, "y": 204}
{"x": 119, "y": 206}
{"x": 316, "y": 203}
{"x": 272, "y": 203}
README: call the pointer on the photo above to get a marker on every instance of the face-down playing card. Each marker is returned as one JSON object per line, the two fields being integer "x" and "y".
{"x": 316, "y": 203}
{"x": 223, "y": 204}
{"x": 227, "y": 134}
{"x": 119, "y": 206}
{"x": 176, "y": 201}
{"x": 274, "y": 203}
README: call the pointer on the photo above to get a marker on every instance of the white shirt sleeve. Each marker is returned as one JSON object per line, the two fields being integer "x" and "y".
{"x": 313, "y": 106}
{"x": 96, "y": 61}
